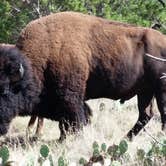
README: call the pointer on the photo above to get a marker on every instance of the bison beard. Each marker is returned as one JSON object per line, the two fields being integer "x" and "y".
{"x": 71, "y": 57}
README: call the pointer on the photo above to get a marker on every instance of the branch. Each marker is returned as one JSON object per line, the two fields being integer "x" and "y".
{"x": 163, "y": 3}
{"x": 156, "y": 26}
{"x": 16, "y": 9}
{"x": 37, "y": 8}
{"x": 150, "y": 135}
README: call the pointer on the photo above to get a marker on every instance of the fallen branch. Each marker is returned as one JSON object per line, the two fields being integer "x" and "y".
{"x": 155, "y": 139}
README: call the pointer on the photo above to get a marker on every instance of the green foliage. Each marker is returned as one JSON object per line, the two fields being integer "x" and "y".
{"x": 96, "y": 152}
{"x": 14, "y": 15}
{"x": 118, "y": 154}
{"x": 4, "y": 154}
{"x": 45, "y": 155}
{"x": 103, "y": 147}
{"x": 62, "y": 161}
{"x": 44, "y": 151}
{"x": 82, "y": 161}
{"x": 163, "y": 150}
{"x": 12, "y": 20}
{"x": 155, "y": 153}
{"x": 51, "y": 160}
{"x": 95, "y": 149}
{"x": 95, "y": 145}
{"x": 115, "y": 163}
{"x": 123, "y": 146}
{"x": 113, "y": 151}
{"x": 116, "y": 151}
{"x": 148, "y": 162}
{"x": 140, "y": 154}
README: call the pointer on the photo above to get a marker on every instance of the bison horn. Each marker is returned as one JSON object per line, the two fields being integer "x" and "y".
{"x": 157, "y": 58}
{"x": 21, "y": 70}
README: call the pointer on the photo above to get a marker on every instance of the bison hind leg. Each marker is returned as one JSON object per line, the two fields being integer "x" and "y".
{"x": 145, "y": 106}
{"x": 64, "y": 128}
{"x": 31, "y": 124}
{"x": 39, "y": 128}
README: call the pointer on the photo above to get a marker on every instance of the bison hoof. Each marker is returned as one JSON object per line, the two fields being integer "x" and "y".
{"x": 61, "y": 139}
{"x": 130, "y": 136}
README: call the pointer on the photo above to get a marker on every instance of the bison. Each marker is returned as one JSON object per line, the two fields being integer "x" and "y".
{"x": 33, "y": 118}
{"x": 63, "y": 59}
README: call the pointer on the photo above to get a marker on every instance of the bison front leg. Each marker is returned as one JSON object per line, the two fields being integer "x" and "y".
{"x": 64, "y": 128}
{"x": 145, "y": 104}
{"x": 76, "y": 114}
{"x": 88, "y": 113}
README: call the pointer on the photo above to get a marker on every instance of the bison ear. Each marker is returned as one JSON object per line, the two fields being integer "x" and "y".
{"x": 21, "y": 70}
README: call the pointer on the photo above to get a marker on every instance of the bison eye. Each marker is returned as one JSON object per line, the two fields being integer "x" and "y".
{"x": 15, "y": 72}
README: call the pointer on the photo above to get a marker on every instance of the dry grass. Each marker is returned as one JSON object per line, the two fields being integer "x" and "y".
{"x": 110, "y": 123}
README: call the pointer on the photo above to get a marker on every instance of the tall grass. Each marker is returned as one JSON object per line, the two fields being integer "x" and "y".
{"x": 110, "y": 123}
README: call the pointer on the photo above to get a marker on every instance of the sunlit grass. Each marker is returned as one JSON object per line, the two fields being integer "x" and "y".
{"x": 110, "y": 123}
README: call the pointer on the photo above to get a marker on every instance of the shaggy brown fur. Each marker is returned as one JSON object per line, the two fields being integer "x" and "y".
{"x": 75, "y": 57}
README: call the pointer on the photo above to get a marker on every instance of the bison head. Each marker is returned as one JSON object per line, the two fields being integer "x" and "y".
{"x": 11, "y": 75}
{"x": 11, "y": 71}
{"x": 19, "y": 89}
